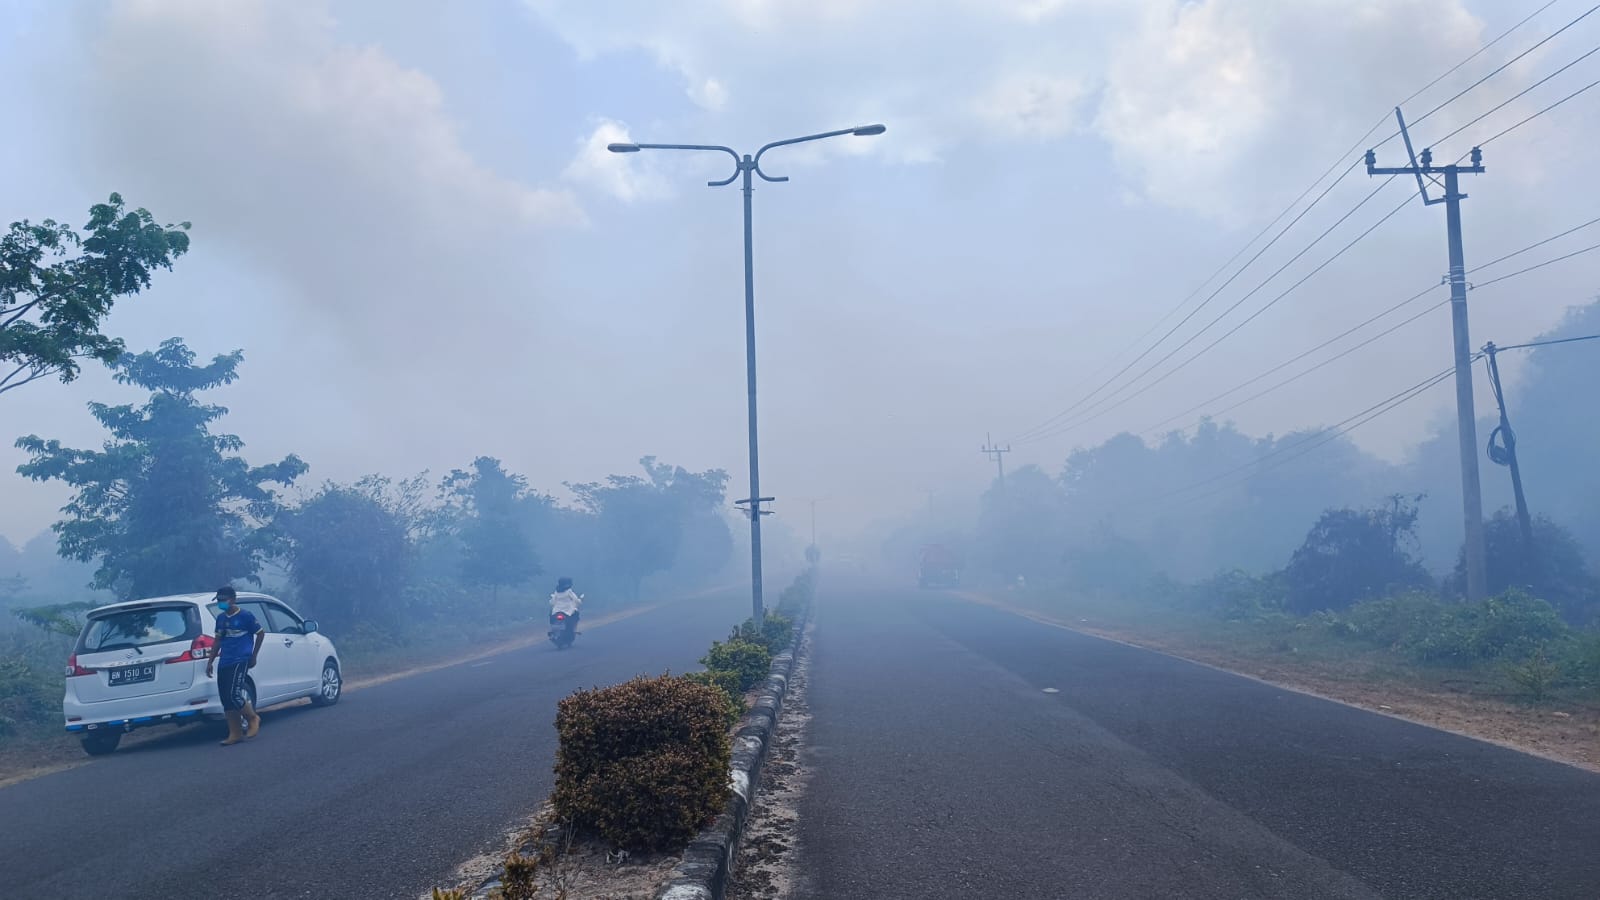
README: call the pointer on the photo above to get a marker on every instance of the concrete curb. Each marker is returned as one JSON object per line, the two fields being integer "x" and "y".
{"x": 707, "y": 864}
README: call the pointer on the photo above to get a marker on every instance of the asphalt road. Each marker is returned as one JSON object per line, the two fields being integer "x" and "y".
{"x": 940, "y": 767}
{"x": 381, "y": 796}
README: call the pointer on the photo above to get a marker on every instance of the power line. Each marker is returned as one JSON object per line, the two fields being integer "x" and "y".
{"x": 1551, "y": 343}
{"x": 1534, "y": 246}
{"x": 1353, "y": 329}
{"x": 1318, "y": 438}
{"x": 1517, "y": 96}
{"x": 1498, "y": 69}
{"x": 1549, "y": 262}
{"x": 1500, "y": 134}
{"x": 1033, "y": 432}
{"x": 1325, "y": 363}
{"x": 1099, "y": 409}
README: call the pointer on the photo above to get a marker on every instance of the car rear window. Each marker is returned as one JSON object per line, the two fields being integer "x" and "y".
{"x": 122, "y": 629}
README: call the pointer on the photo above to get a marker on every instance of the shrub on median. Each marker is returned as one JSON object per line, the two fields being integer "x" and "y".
{"x": 748, "y": 660}
{"x": 774, "y": 633}
{"x": 645, "y": 763}
{"x": 798, "y": 595}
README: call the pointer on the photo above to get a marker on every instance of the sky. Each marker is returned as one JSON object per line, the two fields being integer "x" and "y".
{"x": 404, "y": 214}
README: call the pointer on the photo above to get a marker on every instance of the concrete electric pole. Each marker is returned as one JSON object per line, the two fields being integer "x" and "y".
{"x": 1471, "y": 496}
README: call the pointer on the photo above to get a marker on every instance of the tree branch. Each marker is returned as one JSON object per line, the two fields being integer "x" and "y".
{"x": 6, "y": 385}
{"x": 20, "y": 311}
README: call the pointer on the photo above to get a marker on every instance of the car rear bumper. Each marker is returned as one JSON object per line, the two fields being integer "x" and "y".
{"x": 140, "y": 712}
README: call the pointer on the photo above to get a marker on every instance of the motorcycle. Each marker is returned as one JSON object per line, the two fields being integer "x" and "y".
{"x": 563, "y": 630}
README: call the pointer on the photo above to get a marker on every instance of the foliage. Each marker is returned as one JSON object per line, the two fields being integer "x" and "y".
{"x": 1507, "y": 627}
{"x": 1557, "y": 572}
{"x": 50, "y": 312}
{"x": 798, "y": 595}
{"x": 30, "y": 681}
{"x": 644, "y": 763}
{"x": 496, "y": 551}
{"x": 166, "y": 505}
{"x": 728, "y": 683}
{"x": 643, "y": 522}
{"x": 350, "y": 547}
{"x": 1536, "y": 675}
{"x": 65, "y": 619}
{"x": 1355, "y": 554}
{"x": 749, "y": 660}
{"x": 774, "y": 633}
{"x": 1238, "y": 596}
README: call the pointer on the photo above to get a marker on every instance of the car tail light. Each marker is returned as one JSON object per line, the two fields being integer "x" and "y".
{"x": 198, "y": 650}
{"x": 74, "y": 670}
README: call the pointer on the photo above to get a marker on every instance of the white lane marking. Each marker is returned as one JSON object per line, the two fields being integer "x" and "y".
{"x": 1052, "y": 690}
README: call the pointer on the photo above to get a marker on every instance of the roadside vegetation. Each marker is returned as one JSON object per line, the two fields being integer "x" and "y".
{"x": 643, "y": 766}
{"x": 1333, "y": 570}
{"x": 398, "y": 570}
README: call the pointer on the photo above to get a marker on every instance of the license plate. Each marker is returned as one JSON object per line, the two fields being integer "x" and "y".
{"x": 133, "y": 674}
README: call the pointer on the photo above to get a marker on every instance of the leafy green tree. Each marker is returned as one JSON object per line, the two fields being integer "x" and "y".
{"x": 1558, "y": 572}
{"x": 166, "y": 505}
{"x": 64, "y": 619}
{"x": 643, "y": 523}
{"x": 495, "y": 549}
{"x": 1355, "y": 554}
{"x": 56, "y": 286}
{"x": 351, "y": 548}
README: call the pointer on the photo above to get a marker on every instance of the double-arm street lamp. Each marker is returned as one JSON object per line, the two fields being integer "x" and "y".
{"x": 746, "y": 166}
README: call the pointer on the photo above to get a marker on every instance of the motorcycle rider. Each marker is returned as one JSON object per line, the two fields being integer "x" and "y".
{"x": 564, "y": 600}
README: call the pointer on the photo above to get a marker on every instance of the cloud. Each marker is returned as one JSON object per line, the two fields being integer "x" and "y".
{"x": 625, "y": 177}
{"x": 1034, "y": 106}
{"x": 331, "y": 165}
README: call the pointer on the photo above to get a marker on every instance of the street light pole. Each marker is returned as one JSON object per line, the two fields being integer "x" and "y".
{"x": 746, "y": 166}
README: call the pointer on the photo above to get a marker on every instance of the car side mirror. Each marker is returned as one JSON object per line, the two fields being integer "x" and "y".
{"x": 310, "y": 626}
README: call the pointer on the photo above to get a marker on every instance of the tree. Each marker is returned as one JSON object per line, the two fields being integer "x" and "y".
{"x": 50, "y": 313}
{"x": 350, "y": 548}
{"x": 1558, "y": 572}
{"x": 496, "y": 551}
{"x": 1355, "y": 554}
{"x": 644, "y": 523}
{"x": 166, "y": 505}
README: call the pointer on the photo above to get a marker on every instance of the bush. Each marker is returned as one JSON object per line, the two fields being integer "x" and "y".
{"x": 1509, "y": 627}
{"x": 1239, "y": 596}
{"x": 728, "y": 684}
{"x": 749, "y": 660}
{"x": 775, "y": 632}
{"x": 1535, "y": 675}
{"x": 645, "y": 763}
{"x": 798, "y": 595}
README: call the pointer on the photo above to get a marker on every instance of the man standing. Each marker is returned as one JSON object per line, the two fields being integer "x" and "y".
{"x": 238, "y": 643}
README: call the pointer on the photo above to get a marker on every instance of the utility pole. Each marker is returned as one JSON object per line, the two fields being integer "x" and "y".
{"x": 1471, "y": 496}
{"x": 995, "y": 453}
{"x": 1505, "y": 453}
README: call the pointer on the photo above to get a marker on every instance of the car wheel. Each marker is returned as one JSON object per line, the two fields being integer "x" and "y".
{"x": 331, "y": 687}
{"x": 99, "y": 743}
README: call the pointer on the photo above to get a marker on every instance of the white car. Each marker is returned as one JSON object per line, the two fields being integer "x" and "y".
{"x": 143, "y": 663}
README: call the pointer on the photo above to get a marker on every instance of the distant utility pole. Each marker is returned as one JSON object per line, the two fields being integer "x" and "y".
{"x": 1505, "y": 453}
{"x": 998, "y": 455}
{"x": 1471, "y": 496}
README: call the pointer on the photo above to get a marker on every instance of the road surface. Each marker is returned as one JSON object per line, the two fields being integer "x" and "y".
{"x": 381, "y": 796}
{"x": 940, "y": 767}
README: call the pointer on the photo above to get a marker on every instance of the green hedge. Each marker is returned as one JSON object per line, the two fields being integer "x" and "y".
{"x": 644, "y": 764}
